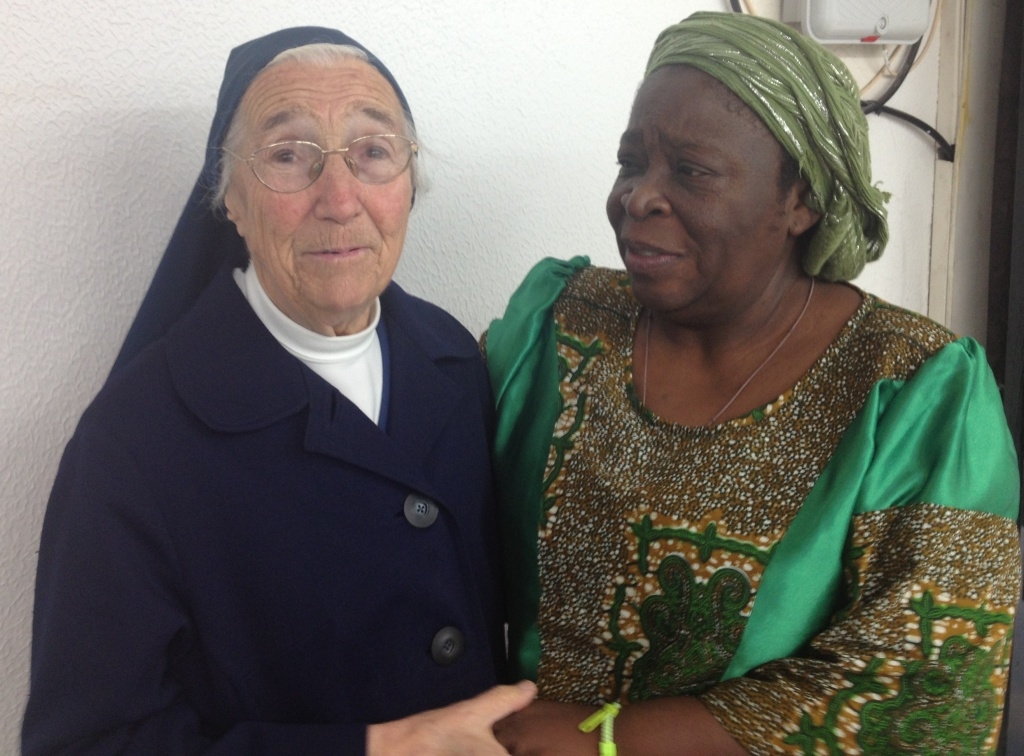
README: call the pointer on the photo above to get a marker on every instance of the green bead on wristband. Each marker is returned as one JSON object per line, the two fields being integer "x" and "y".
{"x": 605, "y": 716}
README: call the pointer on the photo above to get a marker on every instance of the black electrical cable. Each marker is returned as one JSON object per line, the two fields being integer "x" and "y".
{"x": 946, "y": 151}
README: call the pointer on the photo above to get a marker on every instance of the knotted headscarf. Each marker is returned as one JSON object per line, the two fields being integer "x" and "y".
{"x": 810, "y": 103}
{"x": 204, "y": 240}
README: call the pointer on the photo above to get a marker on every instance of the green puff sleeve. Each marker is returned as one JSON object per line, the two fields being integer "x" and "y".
{"x": 938, "y": 438}
{"x": 523, "y": 365}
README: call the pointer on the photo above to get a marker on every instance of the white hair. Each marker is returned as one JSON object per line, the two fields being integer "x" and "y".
{"x": 318, "y": 55}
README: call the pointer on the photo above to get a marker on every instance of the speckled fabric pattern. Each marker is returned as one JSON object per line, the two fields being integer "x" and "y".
{"x": 940, "y": 686}
{"x": 656, "y": 537}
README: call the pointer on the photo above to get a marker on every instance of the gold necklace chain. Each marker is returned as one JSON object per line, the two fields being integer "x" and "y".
{"x": 758, "y": 369}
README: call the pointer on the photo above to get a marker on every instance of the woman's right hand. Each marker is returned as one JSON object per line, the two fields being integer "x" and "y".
{"x": 461, "y": 728}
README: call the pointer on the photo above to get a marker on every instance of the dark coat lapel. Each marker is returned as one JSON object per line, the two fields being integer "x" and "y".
{"x": 235, "y": 377}
{"x": 422, "y": 401}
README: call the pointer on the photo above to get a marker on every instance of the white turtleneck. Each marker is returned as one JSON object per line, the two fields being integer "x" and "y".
{"x": 352, "y": 363}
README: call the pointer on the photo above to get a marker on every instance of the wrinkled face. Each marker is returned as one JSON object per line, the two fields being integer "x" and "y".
{"x": 702, "y": 224}
{"x": 325, "y": 253}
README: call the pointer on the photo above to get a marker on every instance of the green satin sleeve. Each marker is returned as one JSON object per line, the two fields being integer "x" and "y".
{"x": 522, "y": 360}
{"x": 940, "y": 438}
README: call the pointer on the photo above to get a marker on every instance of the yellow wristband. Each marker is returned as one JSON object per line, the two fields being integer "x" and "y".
{"x": 605, "y": 716}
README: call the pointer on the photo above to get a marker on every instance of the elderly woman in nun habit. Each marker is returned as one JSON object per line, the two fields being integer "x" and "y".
{"x": 750, "y": 507}
{"x": 274, "y": 529}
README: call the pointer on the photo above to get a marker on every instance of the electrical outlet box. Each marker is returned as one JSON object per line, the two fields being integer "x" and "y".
{"x": 859, "y": 21}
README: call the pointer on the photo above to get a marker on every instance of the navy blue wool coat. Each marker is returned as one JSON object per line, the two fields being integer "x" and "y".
{"x": 228, "y": 562}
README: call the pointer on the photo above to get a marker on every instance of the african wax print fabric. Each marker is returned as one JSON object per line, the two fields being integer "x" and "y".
{"x": 835, "y": 572}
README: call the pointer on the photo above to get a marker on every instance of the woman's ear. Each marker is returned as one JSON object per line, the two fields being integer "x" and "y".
{"x": 232, "y": 206}
{"x": 801, "y": 216}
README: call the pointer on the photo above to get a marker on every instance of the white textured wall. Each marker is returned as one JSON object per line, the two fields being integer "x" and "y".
{"x": 105, "y": 108}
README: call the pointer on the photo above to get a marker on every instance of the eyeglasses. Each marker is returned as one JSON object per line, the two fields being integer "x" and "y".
{"x": 289, "y": 167}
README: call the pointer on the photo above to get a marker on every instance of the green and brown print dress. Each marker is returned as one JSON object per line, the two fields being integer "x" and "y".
{"x": 834, "y": 573}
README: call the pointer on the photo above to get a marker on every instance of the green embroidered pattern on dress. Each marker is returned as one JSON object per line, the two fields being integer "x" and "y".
{"x": 622, "y": 648}
{"x": 810, "y": 734}
{"x": 943, "y": 707}
{"x": 708, "y": 541}
{"x": 693, "y": 629}
{"x": 945, "y": 703}
{"x": 562, "y": 444}
{"x": 929, "y": 611}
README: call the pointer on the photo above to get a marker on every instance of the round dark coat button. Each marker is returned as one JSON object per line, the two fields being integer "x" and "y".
{"x": 447, "y": 646}
{"x": 420, "y": 511}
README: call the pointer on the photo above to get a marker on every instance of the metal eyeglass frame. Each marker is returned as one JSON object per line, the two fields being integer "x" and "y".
{"x": 352, "y": 166}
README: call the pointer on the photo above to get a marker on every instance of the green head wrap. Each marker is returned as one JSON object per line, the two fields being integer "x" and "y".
{"x": 809, "y": 101}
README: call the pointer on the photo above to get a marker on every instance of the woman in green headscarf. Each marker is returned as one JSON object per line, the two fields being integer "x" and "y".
{"x": 750, "y": 504}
